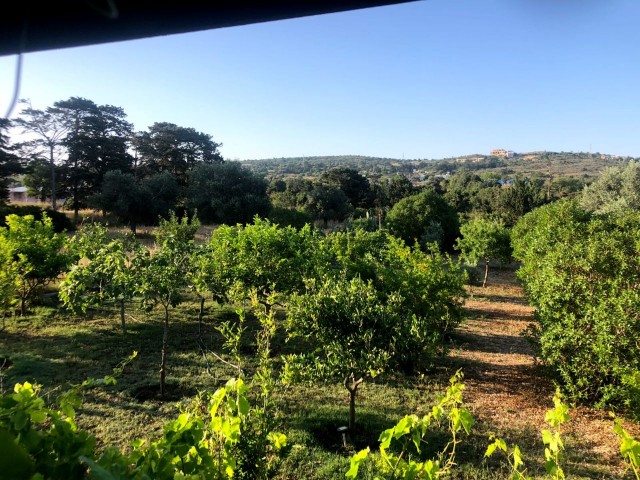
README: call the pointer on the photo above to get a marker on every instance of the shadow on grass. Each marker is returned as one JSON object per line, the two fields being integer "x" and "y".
{"x": 491, "y": 343}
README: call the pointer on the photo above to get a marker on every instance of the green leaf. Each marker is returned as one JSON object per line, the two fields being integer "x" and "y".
{"x": 278, "y": 440}
{"x": 243, "y": 405}
{"x": 355, "y": 463}
{"x": 517, "y": 457}
{"x": 15, "y": 462}
{"x": 466, "y": 419}
{"x": 96, "y": 471}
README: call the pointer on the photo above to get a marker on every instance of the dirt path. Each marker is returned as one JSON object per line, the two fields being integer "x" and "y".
{"x": 506, "y": 389}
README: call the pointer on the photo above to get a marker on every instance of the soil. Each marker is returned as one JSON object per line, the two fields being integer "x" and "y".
{"x": 173, "y": 392}
{"x": 507, "y": 388}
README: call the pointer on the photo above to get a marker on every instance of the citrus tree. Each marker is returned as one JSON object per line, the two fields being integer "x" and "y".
{"x": 39, "y": 253}
{"x": 484, "y": 240}
{"x": 261, "y": 257}
{"x": 349, "y": 332}
{"x": 164, "y": 274}
{"x": 112, "y": 274}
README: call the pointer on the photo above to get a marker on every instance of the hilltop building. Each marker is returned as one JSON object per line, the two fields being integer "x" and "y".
{"x": 499, "y": 152}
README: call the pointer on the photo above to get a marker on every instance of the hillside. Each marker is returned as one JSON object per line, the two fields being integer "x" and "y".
{"x": 543, "y": 164}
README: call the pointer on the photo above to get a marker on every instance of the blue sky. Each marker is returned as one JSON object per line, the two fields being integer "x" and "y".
{"x": 427, "y": 79}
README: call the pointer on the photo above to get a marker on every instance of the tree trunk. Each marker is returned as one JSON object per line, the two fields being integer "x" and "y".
{"x": 200, "y": 315}
{"x": 163, "y": 357}
{"x": 352, "y": 386}
{"x": 124, "y": 326}
{"x": 53, "y": 178}
{"x": 486, "y": 272}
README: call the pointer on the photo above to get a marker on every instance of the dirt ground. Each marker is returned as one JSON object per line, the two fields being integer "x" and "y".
{"x": 507, "y": 388}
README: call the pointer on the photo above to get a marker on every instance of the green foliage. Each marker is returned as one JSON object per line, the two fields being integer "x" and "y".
{"x": 260, "y": 256}
{"x": 518, "y": 199}
{"x": 9, "y": 161}
{"x": 424, "y": 218}
{"x": 164, "y": 275}
{"x": 629, "y": 448}
{"x": 581, "y": 273}
{"x": 379, "y": 304}
{"x": 111, "y": 273}
{"x": 9, "y": 278}
{"x": 167, "y": 147}
{"x": 348, "y": 325}
{"x": 321, "y": 201}
{"x": 349, "y": 330}
{"x": 44, "y": 441}
{"x": 389, "y": 191}
{"x": 551, "y": 438}
{"x": 616, "y": 190}
{"x": 38, "y": 253}
{"x": 484, "y": 239}
{"x": 355, "y": 186}
{"x": 289, "y": 217}
{"x": 429, "y": 286}
{"x": 514, "y": 457}
{"x": 204, "y": 442}
{"x": 59, "y": 220}
{"x": 226, "y": 193}
{"x": 401, "y": 447}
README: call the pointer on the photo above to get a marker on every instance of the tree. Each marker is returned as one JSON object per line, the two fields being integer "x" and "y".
{"x": 165, "y": 274}
{"x": 38, "y": 252}
{"x": 164, "y": 192}
{"x": 581, "y": 271}
{"x": 9, "y": 278}
{"x": 429, "y": 286}
{"x": 461, "y": 188}
{"x": 122, "y": 196}
{"x": 355, "y": 186}
{"x": 424, "y": 218}
{"x": 349, "y": 331}
{"x": 518, "y": 199}
{"x": 291, "y": 193}
{"x": 112, "y": 273}
{"x": 38, "y": 180}
{"x": 133, "y": 202}
{"x": 174, "y": 149}
{"x": 96, "y": 142}
{"x": 617, "y": 189}
{"x": 389, "y": 191}
{"x": 49, "y": 130}
{"x": 226, "y": 193}
{"x": 325, "y": 202}
{"x": 9, "y": 162}
{"x": 484, "y": 239}
{"x": 263, "y": 258}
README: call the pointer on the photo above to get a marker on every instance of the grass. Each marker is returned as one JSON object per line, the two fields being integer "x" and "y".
{"x": 54, "y": 349}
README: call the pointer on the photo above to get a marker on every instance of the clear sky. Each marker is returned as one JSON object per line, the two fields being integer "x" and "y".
{"x": 429, "y": 79}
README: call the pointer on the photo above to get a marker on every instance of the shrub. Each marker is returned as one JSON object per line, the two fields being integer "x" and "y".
{"x": 581, "y": 272}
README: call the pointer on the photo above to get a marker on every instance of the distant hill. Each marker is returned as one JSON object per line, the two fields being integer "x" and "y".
{"x": 582, "y": 165}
